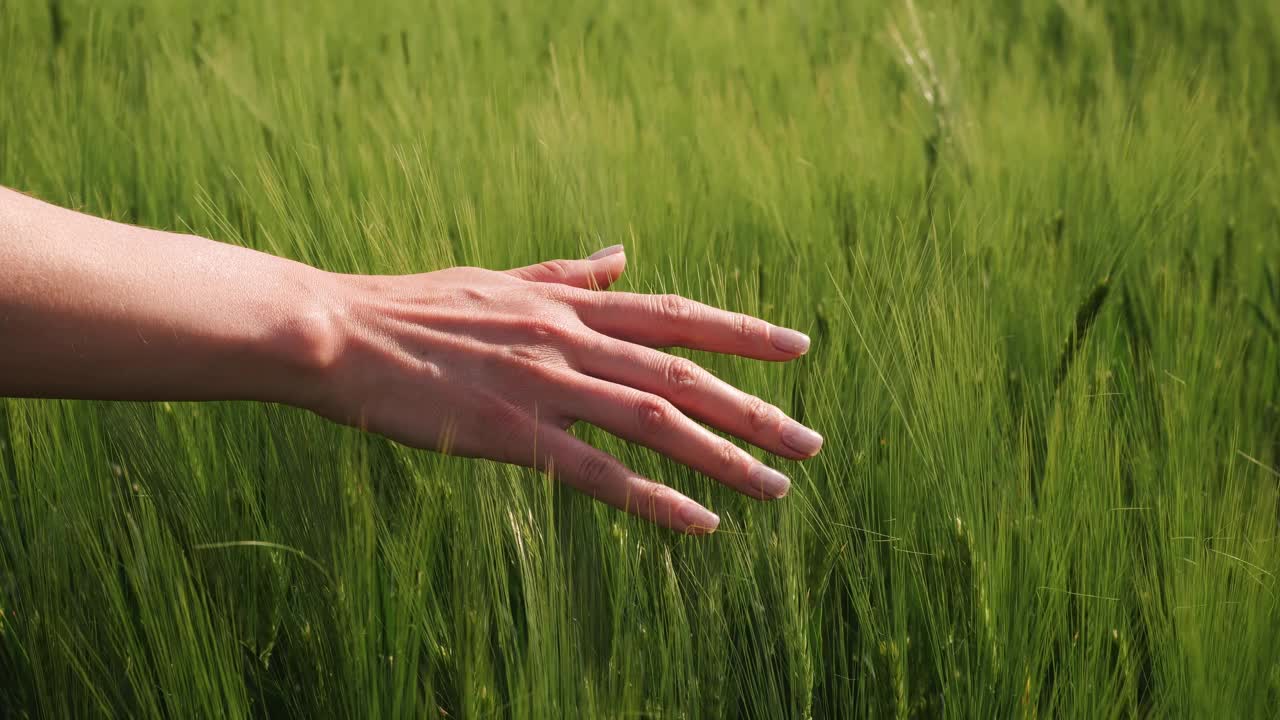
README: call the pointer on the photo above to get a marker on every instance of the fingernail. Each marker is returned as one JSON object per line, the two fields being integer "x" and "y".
{"x": 698, "y": 520}
{"x": 770, "y": 482}
{"x": 611, "y": 250}
{"x": 789, "y": 341}
{"x": 801, "y": 439}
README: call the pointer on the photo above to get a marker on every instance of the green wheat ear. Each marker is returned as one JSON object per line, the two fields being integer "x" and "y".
{"x": 1269, "y": 319}
{"x": 1085, "y": 316}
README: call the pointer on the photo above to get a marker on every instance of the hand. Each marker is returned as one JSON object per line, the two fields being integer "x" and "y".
{"x": 498, "y": 365}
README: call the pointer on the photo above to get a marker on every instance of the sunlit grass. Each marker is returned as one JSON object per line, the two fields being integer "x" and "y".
{"x": 1035, "y": 245}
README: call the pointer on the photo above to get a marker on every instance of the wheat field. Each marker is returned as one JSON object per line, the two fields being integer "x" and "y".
{"x": 1035, "y": 244}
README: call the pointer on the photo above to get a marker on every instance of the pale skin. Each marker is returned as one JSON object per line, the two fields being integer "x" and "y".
{"x": 473, "y": 362}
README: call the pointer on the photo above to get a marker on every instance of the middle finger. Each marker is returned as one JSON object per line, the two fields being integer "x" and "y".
{"x": 700, "y": 394}
{"x": 649, "y": 420}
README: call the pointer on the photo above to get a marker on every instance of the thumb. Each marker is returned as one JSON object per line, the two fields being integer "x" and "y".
{"x": 594, "y": 273}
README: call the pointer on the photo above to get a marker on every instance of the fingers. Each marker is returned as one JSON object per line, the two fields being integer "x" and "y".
{"x": 701, "y": 395}
{"x": 672, "y": 320}
{"x": 600, "y": 475}
{"x": 650, "y": 420}
{"x": 594, "y": 273}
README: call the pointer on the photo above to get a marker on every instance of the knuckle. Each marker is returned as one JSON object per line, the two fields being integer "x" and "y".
{"x": 747, "y": 328}
{"x": 673, "y": 308}
{"x": 594, "y": 472}
{"x": 648, "y": 500}
{"x": 529, "y": 362}
{"x": 653, "y": 414}
{"x": 729, "y": 455}
{"x": 479, "y": 295}
{"x": 682, "y": 375}
{"x": 500, "y": 417}
{"x": 556, "y": 268}
{"x": 761, "y": 414}
{"x": 565, "y": 295}
{"x": 530, "y": 358}
{"x": 580, "y": 345}
{"x": 546, "y": 329}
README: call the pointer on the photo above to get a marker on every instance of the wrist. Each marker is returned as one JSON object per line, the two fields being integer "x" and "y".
{"x": 305, "y": 345}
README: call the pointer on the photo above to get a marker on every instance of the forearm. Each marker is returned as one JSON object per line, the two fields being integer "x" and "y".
{"x": 95, "y": 309}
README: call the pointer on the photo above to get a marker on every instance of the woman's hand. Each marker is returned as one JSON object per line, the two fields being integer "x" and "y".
{"x": 466, "y": 361}
{"x": 498, "y": 365}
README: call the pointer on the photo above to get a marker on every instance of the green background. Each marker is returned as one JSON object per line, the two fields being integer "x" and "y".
{"x": 1035, "y": 244}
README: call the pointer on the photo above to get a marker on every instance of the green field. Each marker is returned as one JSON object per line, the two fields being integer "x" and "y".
{"x": 1036, "y": 244}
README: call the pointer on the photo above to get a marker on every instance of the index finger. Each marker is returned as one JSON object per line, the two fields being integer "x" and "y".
{"x": 677, "y": 321}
